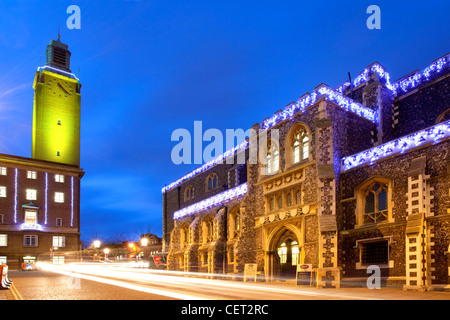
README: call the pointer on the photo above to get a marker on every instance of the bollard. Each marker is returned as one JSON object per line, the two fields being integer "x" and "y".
{"x": 5, "y": 283}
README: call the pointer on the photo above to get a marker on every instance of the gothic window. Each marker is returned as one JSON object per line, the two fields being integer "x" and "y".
{"x": 211, "y": 182}
{"x": 282, "y": 252}
{"x": 188, "y": 193}
{"x": 298, "y": 197}
{"x": 280, "y": 202}
{"x": 445, "y": 116}
{"x": 289, "y": 199}
{"x": 375, "y": 199}
{"x": 272, "y": 159}
{"x": 272, "y": 204}
{"x": 300, "y": 145}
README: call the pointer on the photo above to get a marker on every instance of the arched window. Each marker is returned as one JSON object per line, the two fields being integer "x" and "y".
{"x": 272, "y": 159}
{"x": 211, "y": 182}
{"x": 295, "y": 253}
{"x": 443, "y": 117}
{"x": 189, "y": 193}
{"x": 282, "y": 252}
{"x": 280, "y": 202}
{"x": 300, "y": 145}
{"x": 373, "y": 199}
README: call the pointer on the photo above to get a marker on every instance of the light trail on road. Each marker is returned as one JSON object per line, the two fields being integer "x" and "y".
{"x": 188, "y": 286}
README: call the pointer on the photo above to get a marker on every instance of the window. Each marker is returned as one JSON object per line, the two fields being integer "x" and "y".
{"x": 3, "y": 240}
{"x": 205, "y": 258}
{"x": 58, "y": 259}
{"x": 59, "y": 222}
{"x": 280, "y": 202}
{"x": 59, "y": 197}
{"x": 298, "y": 197}
{"x": 30, "y": 241}
{"x": 231, "y": 255}
{"x": 58, "y": 122}
{"x": 445, "y": 116}
{"x": 289, "y": 199}
{"x": 189, "y": 193}
{"x": 207, "y": 226}
{"x": 30, "y": 217}
{"x": 59, "y": 178}
{"x": 300, "y": 145}
{"x": 2, "y": 171}
{"x": 272, "y": 159}
{"x": 295, "y": 253}
{"x": 376, "y": 203}
{"x": 59, "y": 241}
{"x": 282, "y": 252}
{"x": 375, "y": 252}
{"x": 31, "y": 194}
{"x": 1, "y": 218}
{"x": 32, "y": 175}
{"x": 3, "y": 260}
{"x": 212, "y": 182}
{"x": 58, "y": 153}
{"x": 272, "y": 204}
{"x": 2, "y": 192}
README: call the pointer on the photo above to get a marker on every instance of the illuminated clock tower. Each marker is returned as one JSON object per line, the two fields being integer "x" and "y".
{"x": 56, "y": 112}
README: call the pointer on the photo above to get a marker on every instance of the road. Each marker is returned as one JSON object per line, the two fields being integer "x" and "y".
{"x": 120, "y": 282}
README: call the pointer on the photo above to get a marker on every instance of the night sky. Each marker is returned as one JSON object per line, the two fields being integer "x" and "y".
{"x": 151, "y": 67}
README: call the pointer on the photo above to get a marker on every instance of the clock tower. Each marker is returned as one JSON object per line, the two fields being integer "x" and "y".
{"x": 56, "y": 110}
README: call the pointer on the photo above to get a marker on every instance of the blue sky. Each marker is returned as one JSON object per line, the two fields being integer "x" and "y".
{"x": 151, "y": 67}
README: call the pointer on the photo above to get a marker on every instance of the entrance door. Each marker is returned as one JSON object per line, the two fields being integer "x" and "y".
{"x": 288, "y": 257}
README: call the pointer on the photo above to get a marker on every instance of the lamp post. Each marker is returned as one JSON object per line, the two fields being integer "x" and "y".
{"x": 106, "y": 251}
{"x": 144, "y": 244}
{"x": 96, "y": 245}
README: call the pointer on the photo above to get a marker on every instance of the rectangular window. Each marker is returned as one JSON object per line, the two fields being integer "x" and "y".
{"x": 59, "y": 222}
{"x": 59, "y": 241}
{"x": 59, "y": 197}
{"x": 31, "y": 194}
{"x": 1, "y": 218}
{"x": 58, "y": 259}
{"x": 59, "y": 178}
{"x": 375, "y": 252}
{"x": 2, "y": 192}
{"x": 2, "y": 171}
{"x": 30, "y": 241}
{"x": 31, "y": 217}
{"x": 32, "y": 175}
{"x": 58, "y": 153}
{"x": 3, "y": 240}
{"x": 3, "y": 260}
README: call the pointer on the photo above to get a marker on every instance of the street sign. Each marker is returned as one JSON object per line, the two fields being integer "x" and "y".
{"x": 304, "y": 275}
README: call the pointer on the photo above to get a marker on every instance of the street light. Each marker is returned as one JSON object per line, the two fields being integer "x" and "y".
{"x": 97, "y": 244}
{"x": 106, "y": 251}
{"x": 144, "y": 242}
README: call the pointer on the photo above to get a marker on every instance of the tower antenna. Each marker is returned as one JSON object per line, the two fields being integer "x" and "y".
{"x": 59, "y": 32}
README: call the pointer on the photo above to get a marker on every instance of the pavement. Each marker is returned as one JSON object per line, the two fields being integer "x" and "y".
{"x": 43, "y": 285}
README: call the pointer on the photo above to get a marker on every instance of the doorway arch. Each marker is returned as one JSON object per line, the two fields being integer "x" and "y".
{"x": 283, "y": 253}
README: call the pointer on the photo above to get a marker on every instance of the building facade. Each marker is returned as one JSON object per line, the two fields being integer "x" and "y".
{"x": 40, "y": 196}
{"x": 357, "y": 177}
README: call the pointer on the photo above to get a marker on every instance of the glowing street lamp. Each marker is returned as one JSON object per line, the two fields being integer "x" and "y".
{"x": 144, "y": 242}
{"x": 97, "y": 244}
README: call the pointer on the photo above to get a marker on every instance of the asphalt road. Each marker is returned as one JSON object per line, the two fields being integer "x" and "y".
{"x": 95, "y": 282}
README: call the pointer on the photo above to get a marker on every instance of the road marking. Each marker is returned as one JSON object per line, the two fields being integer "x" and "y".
{"x": 15, "y": 293}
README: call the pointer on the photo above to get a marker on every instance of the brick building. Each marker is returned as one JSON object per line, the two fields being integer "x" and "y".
{"x": 359, "y": 176}
{"x": 40, "y": 196}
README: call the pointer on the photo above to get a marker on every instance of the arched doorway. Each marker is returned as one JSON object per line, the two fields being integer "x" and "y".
{"x": 286, "y": 256}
